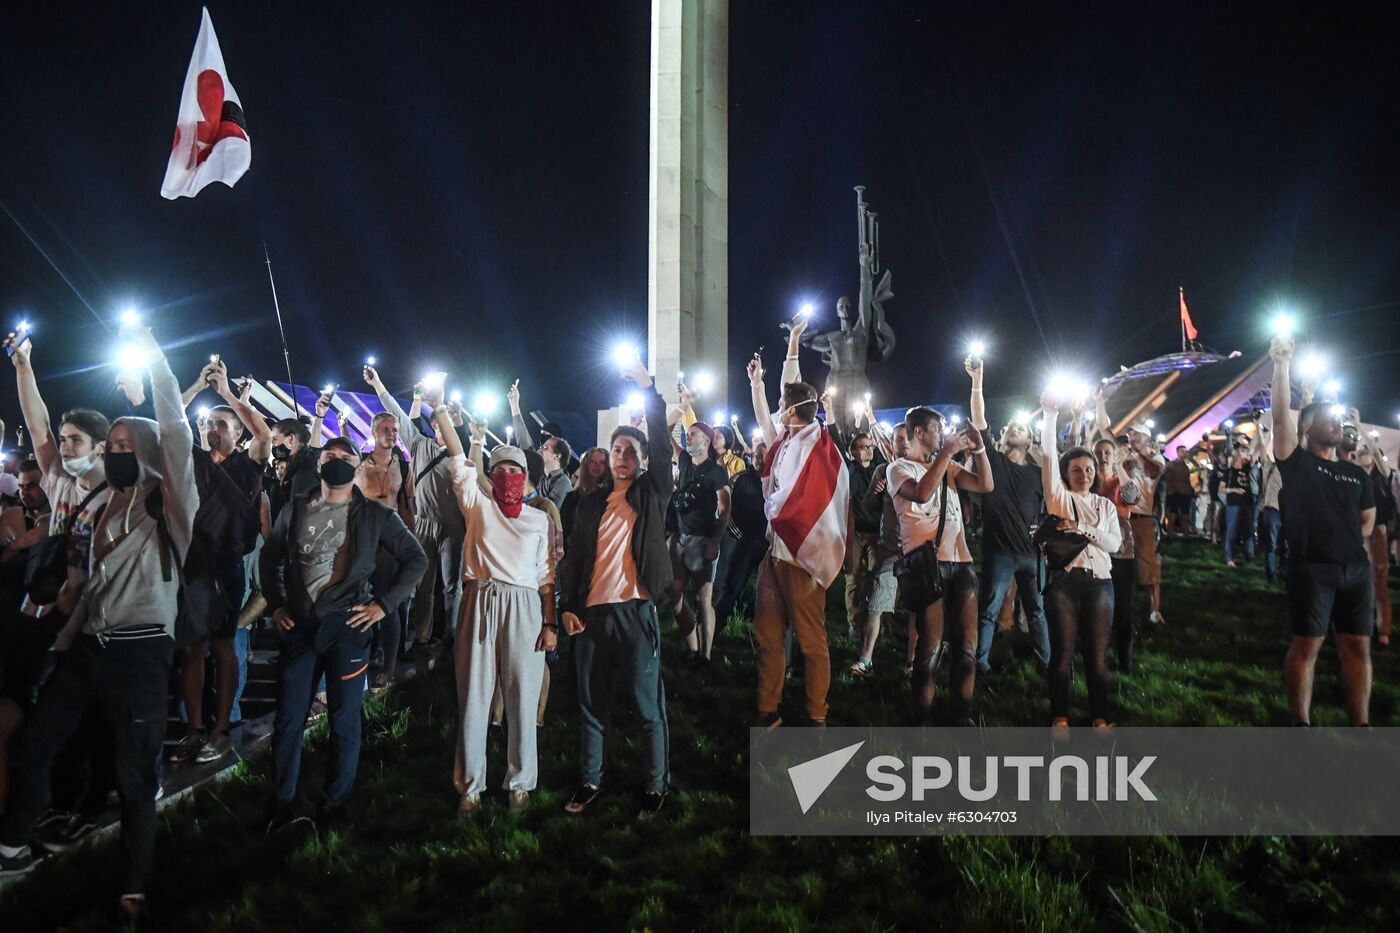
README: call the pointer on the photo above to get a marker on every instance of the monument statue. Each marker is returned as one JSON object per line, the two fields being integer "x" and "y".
{"x": 865, "y": 338}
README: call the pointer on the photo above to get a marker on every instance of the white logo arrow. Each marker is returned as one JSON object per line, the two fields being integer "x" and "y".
{"x": 811, "y": 778}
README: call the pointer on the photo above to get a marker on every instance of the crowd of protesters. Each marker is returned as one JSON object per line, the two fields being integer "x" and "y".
{"x": 140, "y": 553}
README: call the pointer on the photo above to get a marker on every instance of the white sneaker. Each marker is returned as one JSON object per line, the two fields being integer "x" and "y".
{"x": 519, "y": 800}
{"x": 1155, "y": 618}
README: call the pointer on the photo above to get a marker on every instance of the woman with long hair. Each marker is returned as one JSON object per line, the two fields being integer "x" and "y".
{"x": 592, "y": 474}
{"x": 1079, "y": 596}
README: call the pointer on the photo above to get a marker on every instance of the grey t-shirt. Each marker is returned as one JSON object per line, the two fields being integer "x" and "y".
{"x": 320, "y": 543}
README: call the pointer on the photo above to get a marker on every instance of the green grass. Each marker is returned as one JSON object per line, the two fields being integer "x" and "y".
{"x": 406, "y": 863}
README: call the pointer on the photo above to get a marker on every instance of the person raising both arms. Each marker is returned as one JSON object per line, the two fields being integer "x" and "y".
{"x": 806, "y": 494}
{"x": 507, "y": 615}
{"x": 229, "y": 481}
{"x": 1008, "y": 553}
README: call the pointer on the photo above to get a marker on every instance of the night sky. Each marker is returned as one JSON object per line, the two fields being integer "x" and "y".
{"x": 464, "y": 185}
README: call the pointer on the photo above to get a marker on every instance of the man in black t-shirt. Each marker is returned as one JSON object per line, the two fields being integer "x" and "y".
{"x": 229, "y": 481}
{"x": 1329, "y": 510}
{"x": 1015, "y": 503}
{"x": 701, "y": 504}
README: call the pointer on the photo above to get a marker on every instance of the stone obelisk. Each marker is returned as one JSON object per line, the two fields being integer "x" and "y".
{"x": 688, "y": 228}
{"x": 688, "y": 199}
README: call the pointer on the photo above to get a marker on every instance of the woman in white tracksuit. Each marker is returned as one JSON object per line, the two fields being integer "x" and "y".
{"x": 506, "y": 621}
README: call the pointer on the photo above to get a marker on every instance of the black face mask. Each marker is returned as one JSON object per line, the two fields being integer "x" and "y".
{"x": 122, "y": 469}
{"x": 281, "y": 451}
{"x": 337, "y": 472}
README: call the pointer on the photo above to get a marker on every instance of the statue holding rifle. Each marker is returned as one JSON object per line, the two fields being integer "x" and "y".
{"x": 864, "y": 337}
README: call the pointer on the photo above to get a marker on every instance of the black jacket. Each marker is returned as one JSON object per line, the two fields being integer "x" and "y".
{"x": 649, "y": 496}
{"x": 371, "y": 526}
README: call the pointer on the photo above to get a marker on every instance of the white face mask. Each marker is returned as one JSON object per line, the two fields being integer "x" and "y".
{"x": 78, "y": 467}
{"x": 698, "y": 451}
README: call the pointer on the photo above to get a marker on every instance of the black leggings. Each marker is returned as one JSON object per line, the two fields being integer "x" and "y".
{"x": 953, "y": 619}
{"x": 1124, "y": 583}
{"x": 1078, "y": 604}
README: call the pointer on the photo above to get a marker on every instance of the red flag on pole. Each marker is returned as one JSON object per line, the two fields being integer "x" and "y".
{"x": 211, "y": 135}
{"x": 1187, "y": 327}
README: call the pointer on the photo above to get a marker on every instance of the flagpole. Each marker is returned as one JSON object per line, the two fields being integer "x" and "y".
{"x": 286, "y": 354}
{"x": 1181, "y": 292}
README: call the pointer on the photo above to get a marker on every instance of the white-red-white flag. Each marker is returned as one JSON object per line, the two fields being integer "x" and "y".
{"x": 211, "y": 135}
{"x": 806, "y": 491}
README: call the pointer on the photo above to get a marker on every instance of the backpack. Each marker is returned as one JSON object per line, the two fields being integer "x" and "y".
{"x": 46, "y": 567}
{"x": 202, "y": 602}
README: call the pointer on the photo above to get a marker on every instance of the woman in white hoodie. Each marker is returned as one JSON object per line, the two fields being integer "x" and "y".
{"x": 1079, "y": 598}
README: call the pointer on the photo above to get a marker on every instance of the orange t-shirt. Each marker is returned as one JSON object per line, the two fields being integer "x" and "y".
{"x": 614, "y": 569}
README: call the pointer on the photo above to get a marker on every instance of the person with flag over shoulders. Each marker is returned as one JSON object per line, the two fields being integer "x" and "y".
{"x": 117, "y": 646}
{"x": 806, "y": 495}
{"x": 616, "y": 569}
{"x": 316, "y": 571}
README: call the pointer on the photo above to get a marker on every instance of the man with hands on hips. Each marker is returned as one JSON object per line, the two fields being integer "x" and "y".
{"x": 316, "y": 570}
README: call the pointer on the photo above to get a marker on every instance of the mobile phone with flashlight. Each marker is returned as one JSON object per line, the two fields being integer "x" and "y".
{"x": 16, "y": 339}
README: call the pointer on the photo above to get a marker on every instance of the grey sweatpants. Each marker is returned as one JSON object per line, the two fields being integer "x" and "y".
{"x": 496, "y": 637}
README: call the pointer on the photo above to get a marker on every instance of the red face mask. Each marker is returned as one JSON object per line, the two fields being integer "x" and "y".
{"x": 508, "y": 489}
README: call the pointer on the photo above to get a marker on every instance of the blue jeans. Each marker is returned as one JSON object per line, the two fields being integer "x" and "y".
{"x": 1270, "y": 523}
{"x": 1236, "y": 518}
{"x": 314, "y": 646}
{"x": 998, "y": 570}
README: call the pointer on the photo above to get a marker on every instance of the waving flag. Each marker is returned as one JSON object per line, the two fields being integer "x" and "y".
{"x": 807, "y": 491}
{"x": 1187, "y": 327}
{"x": 211, "y": 136}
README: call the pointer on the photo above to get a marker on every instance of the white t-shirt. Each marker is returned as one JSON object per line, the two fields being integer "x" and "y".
{"x": 918, "y": 521}
{"x": 496, "y": 547}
